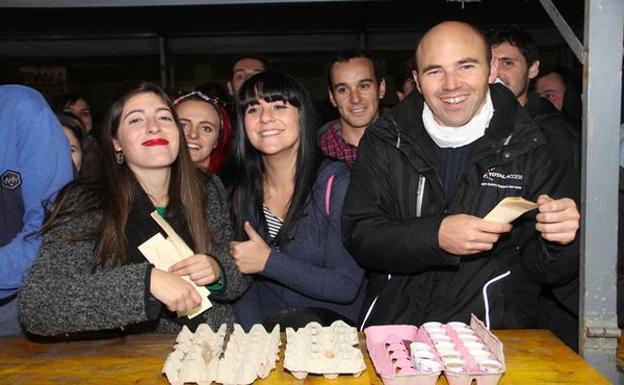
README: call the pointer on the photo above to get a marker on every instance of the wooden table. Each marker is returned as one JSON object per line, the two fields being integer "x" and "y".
{"x": 533, "y": 357}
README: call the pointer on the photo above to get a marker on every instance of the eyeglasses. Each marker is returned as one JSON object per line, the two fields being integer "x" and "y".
{"x": 199, "y": 94}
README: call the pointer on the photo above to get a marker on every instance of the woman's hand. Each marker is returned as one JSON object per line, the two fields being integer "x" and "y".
{"x": 250, "y": 256}
{"x": 174, "y": 292}
{"x": 201, "y": 269}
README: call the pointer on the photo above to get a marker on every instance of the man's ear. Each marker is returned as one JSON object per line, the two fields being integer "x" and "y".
{"x": 534, "y": 69}
{"x": 493, "y": 70}
{"x": 415, "y": 76}
{"x": 331, "y": 98}
{"x": 230, "y": 88}
{"x": 382, "y": 88}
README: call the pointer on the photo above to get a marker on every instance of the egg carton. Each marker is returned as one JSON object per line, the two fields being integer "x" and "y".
{"x": 249, "y": 355}
{"x": 407, "y": 355}
{"x": 329, "y": 351}
{"x": 203, "y": 357}
{"x": 195, "y": 356}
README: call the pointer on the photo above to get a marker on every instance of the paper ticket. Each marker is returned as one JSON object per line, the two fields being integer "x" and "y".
{"x": 510, "y": 208}
{"x": 164, "y": 252}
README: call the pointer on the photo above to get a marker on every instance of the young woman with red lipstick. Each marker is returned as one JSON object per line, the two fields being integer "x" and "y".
{"x": 207, "y": 128}
{"x": 90, "y": 276}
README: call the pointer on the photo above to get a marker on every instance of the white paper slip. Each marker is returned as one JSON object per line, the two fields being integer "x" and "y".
{"x": 177, "y": 241}
{"x": 510, "y": 208}
{"x": 164, "y": 252}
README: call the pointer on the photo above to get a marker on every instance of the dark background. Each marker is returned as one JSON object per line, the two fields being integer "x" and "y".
{"x": 99, "y": 47}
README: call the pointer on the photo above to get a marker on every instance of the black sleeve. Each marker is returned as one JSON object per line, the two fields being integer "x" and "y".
{"x": 558, "y": 175}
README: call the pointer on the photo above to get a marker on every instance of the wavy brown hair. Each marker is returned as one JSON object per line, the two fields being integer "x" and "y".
{"x": 115, "y": 187}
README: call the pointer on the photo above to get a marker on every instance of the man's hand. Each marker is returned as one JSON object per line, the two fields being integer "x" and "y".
{"x": 465, "y": 234}
{"x": 250, "y": 256}
{"x": 558, "y": 219}
{"x": 200, "y": 268}
{"x": 174, "y": 292}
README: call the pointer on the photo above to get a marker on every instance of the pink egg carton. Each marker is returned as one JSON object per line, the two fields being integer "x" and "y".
{"x": 407, "y": 355}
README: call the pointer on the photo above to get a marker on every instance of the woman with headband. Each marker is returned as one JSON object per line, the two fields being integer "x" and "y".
{"x": 207, "y": 128}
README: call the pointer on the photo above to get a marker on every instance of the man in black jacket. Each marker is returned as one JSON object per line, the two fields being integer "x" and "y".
{"x": 517, "y": 56}
{"x": 430, "y": 170}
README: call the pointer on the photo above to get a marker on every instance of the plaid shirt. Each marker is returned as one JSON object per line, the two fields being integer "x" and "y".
{"x": 334, "y": 146}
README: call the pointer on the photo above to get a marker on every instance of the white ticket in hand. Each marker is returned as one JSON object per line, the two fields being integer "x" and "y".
{"x": 510, "y": 208}
{"x": 164, "y": 253}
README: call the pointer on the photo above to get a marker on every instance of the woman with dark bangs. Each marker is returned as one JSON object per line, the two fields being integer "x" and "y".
{"x": 90, "y": 276}
{"x": 286, "y": 207}
{"x": 207, "y": 127}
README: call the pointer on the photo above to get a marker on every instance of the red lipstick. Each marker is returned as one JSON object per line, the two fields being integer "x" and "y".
{"x": 156, "y": 142}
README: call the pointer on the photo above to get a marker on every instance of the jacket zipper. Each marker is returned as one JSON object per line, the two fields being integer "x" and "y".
{"x": 485, "y": 297}
{"x": 370, "y": 308}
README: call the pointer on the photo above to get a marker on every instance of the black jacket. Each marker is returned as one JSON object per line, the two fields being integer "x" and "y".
{"x": 559, "y": 297}
{"x": 395, "y": 204}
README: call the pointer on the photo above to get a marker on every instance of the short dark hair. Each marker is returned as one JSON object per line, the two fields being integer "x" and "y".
{"x": 248, "y": 55}
{"x": 558, "y": 70}
{"x": 345, "y": 55}
{"x": 67, "y": 100}
{"x": 518, "y": 38}
{"x": 572, "y": 104}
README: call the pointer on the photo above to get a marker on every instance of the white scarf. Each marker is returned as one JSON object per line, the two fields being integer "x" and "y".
{"x": 454, "y": 137}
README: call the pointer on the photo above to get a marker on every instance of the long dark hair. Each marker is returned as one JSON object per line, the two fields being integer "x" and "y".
{"x": 272, "y": 86}
{"x": 115, "y": 187}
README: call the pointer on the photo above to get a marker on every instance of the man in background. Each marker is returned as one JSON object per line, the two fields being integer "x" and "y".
{"x": 356, "y": 86}
{"x": 244, "y": 66}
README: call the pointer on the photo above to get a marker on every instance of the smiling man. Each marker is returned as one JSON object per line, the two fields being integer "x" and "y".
{"x": 356, "y": 86}
{"x": 517, "y": 56}
{"x": 426, "y": 175}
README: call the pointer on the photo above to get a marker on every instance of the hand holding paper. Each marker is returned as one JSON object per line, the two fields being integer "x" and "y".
{"x": 175, "y": 293}
{"x": 164, "y": 253}
{"x": 463, "y": 234}
{"x": 510, "y": 208}
{"x": 202, "y": 269}
{"x": 558, "y": 219}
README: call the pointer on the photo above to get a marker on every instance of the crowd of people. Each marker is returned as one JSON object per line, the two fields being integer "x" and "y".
{"x": 373, "y": 218}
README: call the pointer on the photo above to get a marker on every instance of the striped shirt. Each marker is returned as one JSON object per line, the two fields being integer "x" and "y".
{"x": 274, "y": 223}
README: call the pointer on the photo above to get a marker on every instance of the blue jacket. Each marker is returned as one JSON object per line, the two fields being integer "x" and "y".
{"x": 313, "y": 269}
{"x": 35, "y": 162}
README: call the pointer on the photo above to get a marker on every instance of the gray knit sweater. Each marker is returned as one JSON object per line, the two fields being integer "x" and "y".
{"x": 61, "y": 294}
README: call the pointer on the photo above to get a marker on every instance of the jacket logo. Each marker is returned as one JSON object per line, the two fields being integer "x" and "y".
{"x": 493, "y": 178}
{"x": 11, "y": 179}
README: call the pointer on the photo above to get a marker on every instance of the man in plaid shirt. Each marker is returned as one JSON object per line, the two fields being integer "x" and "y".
{"x": 356, "y": 86}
